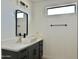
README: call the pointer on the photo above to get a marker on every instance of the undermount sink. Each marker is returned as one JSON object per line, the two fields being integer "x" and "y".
{"x": 30, "y": 38}
{"x": 27, "y": 40}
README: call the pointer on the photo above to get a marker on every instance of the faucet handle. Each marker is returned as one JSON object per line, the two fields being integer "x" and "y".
{"x": 19, "y": 34}
{"x": 24, "y": 35}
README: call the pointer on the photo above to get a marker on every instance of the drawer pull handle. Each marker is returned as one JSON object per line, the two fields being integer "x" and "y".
{"x": 8, "y": 56}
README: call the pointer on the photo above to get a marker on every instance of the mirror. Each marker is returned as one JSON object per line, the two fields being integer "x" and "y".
{"x": 21, "y": 23}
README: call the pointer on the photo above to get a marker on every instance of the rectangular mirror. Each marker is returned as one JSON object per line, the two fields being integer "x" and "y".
{"x": 21, "y": 23}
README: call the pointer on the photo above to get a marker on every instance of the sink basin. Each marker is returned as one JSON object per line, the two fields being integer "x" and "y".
{"x": 29, "y": 40}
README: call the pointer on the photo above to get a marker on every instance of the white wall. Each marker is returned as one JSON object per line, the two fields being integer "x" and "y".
{"x": 8, "y": 8}
{"x": 59, "y": 42}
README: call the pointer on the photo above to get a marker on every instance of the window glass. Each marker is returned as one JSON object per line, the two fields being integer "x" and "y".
{"x": 61, "y": 10}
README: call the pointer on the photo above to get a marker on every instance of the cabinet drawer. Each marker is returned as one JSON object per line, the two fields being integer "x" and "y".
{"x": 8, "y": 54}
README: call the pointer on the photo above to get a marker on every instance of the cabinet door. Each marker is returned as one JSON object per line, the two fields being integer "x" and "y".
{"x": 34, "y": 51}
{"x": 31, "y": 53}
{"x": 23, "y": 54}
{"x": 40, "y": 49}
{"x": 24, "y": 57}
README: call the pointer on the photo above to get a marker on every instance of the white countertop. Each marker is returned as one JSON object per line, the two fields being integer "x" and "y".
{"x": 13, "y": 46}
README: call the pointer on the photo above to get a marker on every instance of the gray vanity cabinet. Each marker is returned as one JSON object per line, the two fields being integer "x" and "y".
{"x": 23, "y": 54}
{"x": 6, "y": 54}
{"x": 34, "y": 51}
{"x": 40, "y": 49}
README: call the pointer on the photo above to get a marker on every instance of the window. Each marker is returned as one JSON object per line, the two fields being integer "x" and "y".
{"x": 61, "y": 10}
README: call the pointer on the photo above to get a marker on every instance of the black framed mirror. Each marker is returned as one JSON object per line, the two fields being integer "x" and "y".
{"x": 21, "y": 23}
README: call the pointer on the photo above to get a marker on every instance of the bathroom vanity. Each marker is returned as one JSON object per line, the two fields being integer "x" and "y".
{"x": 33, "y": 50}
{"x": 27, "y": 49}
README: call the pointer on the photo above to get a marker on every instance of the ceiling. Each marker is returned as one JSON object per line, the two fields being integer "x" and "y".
{"x": 36, "y": 0}
{"x": 49, "y": 0}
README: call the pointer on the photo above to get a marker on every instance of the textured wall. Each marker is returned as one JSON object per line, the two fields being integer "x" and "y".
{"x": 59, "y": 42}
{"x": 8, "y": 8}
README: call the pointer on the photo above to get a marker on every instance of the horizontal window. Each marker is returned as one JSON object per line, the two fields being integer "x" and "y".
{"x": 61, "y": 10}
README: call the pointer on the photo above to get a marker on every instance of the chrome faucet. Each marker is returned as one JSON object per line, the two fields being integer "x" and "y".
{"x": 20, "y": 38}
